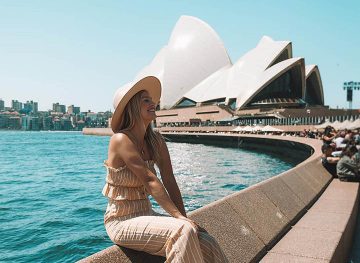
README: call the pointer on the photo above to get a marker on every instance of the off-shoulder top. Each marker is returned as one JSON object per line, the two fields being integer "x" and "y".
{"x": 123, "y": 184}
{"x": 127, "y": 196}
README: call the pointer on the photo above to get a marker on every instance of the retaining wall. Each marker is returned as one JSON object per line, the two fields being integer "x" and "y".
{"x": 248, "y": 223}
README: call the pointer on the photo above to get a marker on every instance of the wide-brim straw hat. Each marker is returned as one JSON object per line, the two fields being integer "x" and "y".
{"x": 122, "y": 96}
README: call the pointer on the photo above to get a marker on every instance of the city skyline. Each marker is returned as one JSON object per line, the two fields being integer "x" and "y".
{"x": 80, "y": 53}
{"x": 9, "y": 105}
{"x": 27, "y": 117}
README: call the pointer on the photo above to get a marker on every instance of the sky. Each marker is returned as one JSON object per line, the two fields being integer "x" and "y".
{"x": 80, "y": 52}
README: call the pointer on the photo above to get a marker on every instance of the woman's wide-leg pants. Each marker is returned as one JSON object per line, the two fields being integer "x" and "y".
{"x": 175, "y": 239}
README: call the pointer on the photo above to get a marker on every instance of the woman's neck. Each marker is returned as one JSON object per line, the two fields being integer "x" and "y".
{"x": 138, "y": 131}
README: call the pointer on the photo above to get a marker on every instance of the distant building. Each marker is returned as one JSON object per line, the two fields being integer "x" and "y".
{"x": 55, "y": 114}
{"x": 2, "y": 105}
{"x": 59, "y": 108}
{"x": 26, "y": 123}
{"x": 92, "y": 116}
{"x": 80, "y": 125}
{"x": 66, "y": 124}
{"x": 16, "y": 105}
{"x": 35, "y": 124}
{"x": 4, "y": 120}
{"x": 81, "y": 116}
{"x": 47, "y": 123}
{"x": 57, "y": 125}
{"x": 14, "y": 123}
{"x": 73, "y": 110}
{"x": 31, "y": 107}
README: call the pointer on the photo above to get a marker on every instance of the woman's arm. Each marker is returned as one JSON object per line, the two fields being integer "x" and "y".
{"x": 125, "y": 149}
{"x": 332, "y": 159}
{"x": 328, "y": 138}
{"x": 168, "y": 178}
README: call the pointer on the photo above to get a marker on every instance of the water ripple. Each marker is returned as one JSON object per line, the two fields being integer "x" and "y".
{"x": 51, "y": 203}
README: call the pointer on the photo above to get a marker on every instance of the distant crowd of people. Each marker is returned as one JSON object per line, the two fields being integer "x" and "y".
{"x": 341, "y": 153}
{"x": 341, "y": 149}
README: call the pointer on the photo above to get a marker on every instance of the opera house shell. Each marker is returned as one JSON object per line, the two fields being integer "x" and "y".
{"x": 195, "y": 70}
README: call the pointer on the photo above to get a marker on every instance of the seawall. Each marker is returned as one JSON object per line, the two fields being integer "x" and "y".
{"x": 248, "y": 223}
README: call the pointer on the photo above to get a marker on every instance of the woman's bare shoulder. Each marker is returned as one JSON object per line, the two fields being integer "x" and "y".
{"x": 119, "y": 139}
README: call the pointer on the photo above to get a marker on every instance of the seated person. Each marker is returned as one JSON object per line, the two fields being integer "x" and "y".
{"x": 356, "y": 157}
{"x": 357, "y": 137}
{"x": 329, "y": 135}
{"x": 347, "y": 168}
{"x": 339, "y": 140}
{"x": 336, "y": 153}
{"x": 349, "y": 136}
{"x": 329, "y": 162}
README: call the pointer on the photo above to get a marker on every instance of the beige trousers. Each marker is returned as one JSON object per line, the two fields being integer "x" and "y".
{"x": 175, "y": 239}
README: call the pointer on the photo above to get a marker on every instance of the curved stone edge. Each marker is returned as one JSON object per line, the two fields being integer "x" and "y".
{"x": 248, "y": 223}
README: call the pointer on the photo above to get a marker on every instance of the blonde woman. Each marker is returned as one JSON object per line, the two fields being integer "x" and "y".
{"x": 133, "y": 150}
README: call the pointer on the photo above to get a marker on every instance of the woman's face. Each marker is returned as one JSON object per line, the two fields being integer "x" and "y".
{"x": 147, "y": 107}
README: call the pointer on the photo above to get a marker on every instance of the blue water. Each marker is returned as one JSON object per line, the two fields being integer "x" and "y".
{"x": 51, "y": 207}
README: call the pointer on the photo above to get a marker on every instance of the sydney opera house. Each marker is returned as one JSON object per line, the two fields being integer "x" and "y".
{"x": 201, "y": 84}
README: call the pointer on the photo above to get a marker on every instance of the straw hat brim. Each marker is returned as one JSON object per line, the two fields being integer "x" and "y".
{"x": 151, "y": 84}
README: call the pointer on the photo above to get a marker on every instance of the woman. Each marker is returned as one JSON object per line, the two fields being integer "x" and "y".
{"x": 131, "y": 177}
{"x": 329, "y": 135}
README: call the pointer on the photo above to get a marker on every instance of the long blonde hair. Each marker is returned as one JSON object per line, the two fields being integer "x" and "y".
{"x": 130, "y": 116}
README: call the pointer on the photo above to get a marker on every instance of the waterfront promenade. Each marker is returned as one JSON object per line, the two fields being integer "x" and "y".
{"x": 275, "y": 220}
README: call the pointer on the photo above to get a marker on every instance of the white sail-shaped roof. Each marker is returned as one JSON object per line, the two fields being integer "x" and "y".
{"x": 194, "y": 68}
{"x": 265, "y": 54}
{"x": 270, "y": 75}
{"x": 155, "y": 68}
{"x": 314, "y": 86}
{"x": 309, "y": 69}
{"x": 247, "y": 75}
{"x": 194, "y": 52}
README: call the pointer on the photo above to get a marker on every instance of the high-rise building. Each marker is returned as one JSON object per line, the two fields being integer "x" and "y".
{"x": 35, "y": 107}
{"x": 31, "y": 107}
{"x": 59, "y": 108}
{"x": 16, "y": 105}
{"x": 2, "y": 105}
{"x": 73, "y": 110}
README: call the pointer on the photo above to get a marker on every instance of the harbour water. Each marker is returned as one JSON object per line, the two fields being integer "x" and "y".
{"x": 51, "y": 207}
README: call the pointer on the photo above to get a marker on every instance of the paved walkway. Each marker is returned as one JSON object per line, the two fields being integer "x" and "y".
{"x": 355, "y": 251}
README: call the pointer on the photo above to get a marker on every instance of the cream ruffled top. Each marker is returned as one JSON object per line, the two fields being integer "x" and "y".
{"x": 122, "y": 184}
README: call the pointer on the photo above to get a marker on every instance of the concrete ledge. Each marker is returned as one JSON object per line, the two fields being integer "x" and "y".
{"x": 98, "y": 131}
{"x": 325, "y": 232}
{"x": 120, "y": 254}
{"x": 248, "y": 223}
